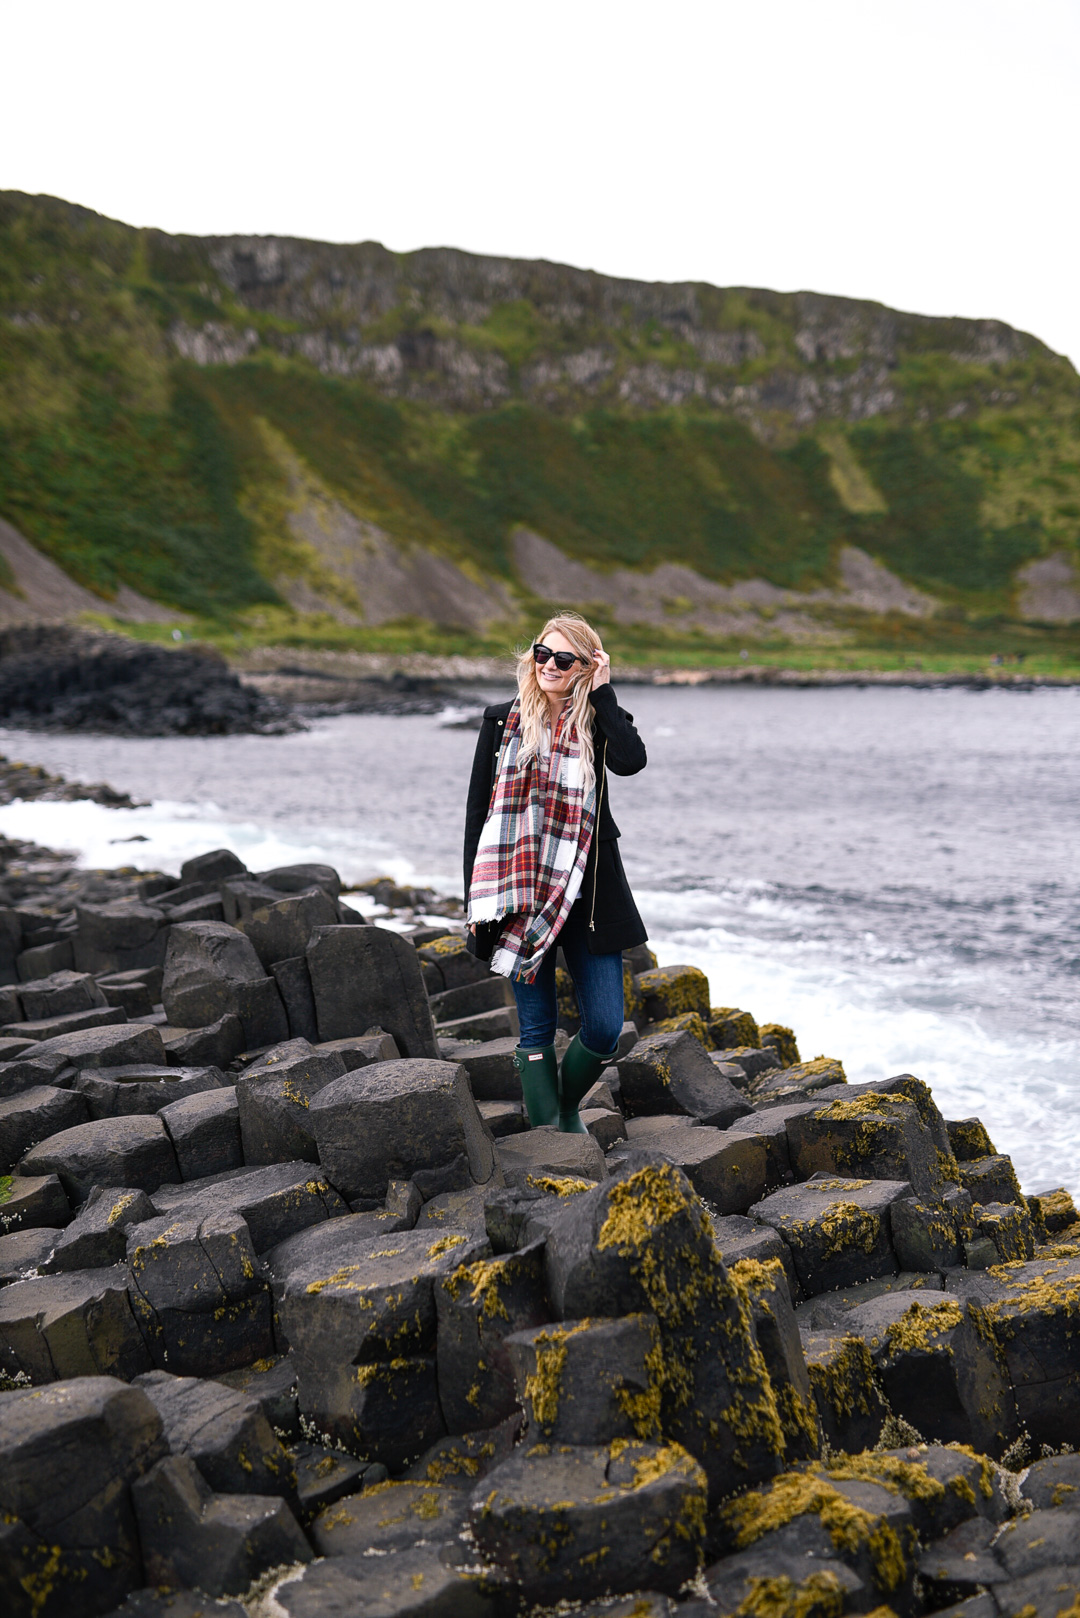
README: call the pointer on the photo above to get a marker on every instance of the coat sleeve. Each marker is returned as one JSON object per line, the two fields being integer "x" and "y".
{"x": 476, "y": 807}
{"x": 626, "y": 753}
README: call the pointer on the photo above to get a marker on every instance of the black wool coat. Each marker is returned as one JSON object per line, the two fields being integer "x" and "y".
{"x": 605, "y": 892}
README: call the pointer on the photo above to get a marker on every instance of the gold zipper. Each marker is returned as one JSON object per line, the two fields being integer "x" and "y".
{"x": 596, "y": 861}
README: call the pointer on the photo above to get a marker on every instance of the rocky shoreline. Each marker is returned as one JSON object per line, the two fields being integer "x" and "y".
{"x": 298, "y": 1317}
{"x": 58, "y": 678}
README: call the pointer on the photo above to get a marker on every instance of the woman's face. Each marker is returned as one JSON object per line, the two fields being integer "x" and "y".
{"x": 552, "y": 681}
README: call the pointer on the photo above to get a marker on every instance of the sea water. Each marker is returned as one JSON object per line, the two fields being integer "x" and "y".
{"x": 893, "y": 873}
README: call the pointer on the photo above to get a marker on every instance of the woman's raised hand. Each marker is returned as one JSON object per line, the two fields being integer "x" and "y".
{"x": 602, "y": 671}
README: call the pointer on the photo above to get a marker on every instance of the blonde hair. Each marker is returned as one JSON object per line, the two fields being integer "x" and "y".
{"x": 534, "y": 703}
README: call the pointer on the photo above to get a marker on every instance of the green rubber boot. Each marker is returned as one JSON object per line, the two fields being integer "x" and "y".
{"x": 539, "y": 1075}
{"x": 580, "y": 1070}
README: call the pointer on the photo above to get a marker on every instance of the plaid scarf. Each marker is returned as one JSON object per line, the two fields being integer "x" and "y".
{"x": 532, "y": 851}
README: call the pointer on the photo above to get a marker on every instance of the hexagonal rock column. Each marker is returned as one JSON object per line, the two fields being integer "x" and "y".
{"x": 367, "y": 976}
{"x": 592, "y": 1521}
{"x": 671, "y": 1073}
{"x": 404, "y": 1120}
{"x": 361, "y": 1319}
{"x": 643, "y": 1243}
{"x": 939, "y": 1367}
{"x": 837, "y": 1229}
{"x": 68, "y": 1456}
{"x": 212, "y": 970}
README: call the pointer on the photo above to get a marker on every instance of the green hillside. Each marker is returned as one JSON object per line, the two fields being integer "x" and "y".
{"x": 163, "y": 399}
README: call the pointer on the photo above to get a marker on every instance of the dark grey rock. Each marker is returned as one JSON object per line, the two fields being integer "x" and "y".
{"x": 778, "y": 1338}
{"x": 274, "y": 1202}
{"x": 924, "y": 1235}
{"x": 938, "y": 1367}
{"x": 740, "y": 1238}
{"x": 799, "y": 1562}
{"x": 361, "y": 1319}
{"x": 241, "y": 896}
{"x": 33, "y": 1116}
{"x": 991, "y": 1179}
{"x": 59, "y": 993}
{"x": 411, "y": 1581}
{"x": 471, "y": 999}
{"x": 1053, "y": 1481}
{"x": 60, "y": 1326}
{"x": 30, "y": 1201}
{"x": 493, "y": 1074}
{"x": 274, "y": 1097}
{"x": 117, "y": 1046}
{"x": 392, "y": 1518}
{"x": 752, "y": 1060}
{"x": 119, "y": 1092}
{"x": 272, "y": 1383}
{"x": 478, "y": 1307}
{"x": 643, "y": 1243}
{"x": 851, "y": 1408}
{"x": 450, "y": 1210}
{"x": 1039, "y": 1594}
{"x": 546, "y": 1153}
{"x": 481, "y": 1025}
{"x": 671, "y": 1073}
{"x": 325, "y": 1475}
{"x": 97, "y": 1236}
{"x": 837, "y": 1229}
{"x": 725, "y": 1167}
{"x": 589, "y": 1381}
{"x": 200, "y": 1293}
{"x": 176, "y": 1604}
{"x": 295, "y": 878}
{"x": 281, "y": 929}
{"x": 71, "y": 1022}
{"x": 399, "y": 1121}
{"x": 216, "y": 867}
{"x": 361, "y": 1050}
{"x": 507, "y": 1118}
{"x": 969, "y": 1139}
{"x": 458, "y": 1462}
{"x": 23, "y": 1072}
{"x": 24, "y": 1250}
{"x": 68, "y": 1457}
{"x": 207, "y": 909}
{"x": 136, "y": 992}
{"x": 449, "y": 962}
{"x": 294, "y": 986}
{"x": 216, "y": 1045}
{"x": 205, "y": 1131}
{"x": 226, "y": 1434}
{"x": 1046, "y": 1538}
{"x": 1032, "y": 1315}
{"x": 875, "y": 1136}
{"x": 43, "y": 959}
{"x": 577, "y": 1522}
{"x": 366, "y": 975}
{"x": 220, "y": 1543}
{"x": 133, "y": 1151}
{"x": 117, "y": 936}
{"x": 211, "y": 970}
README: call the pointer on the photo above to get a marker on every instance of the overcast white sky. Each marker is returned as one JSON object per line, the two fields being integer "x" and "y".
{"x": 920, "y": 152}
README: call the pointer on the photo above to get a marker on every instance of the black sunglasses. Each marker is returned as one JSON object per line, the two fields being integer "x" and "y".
{"x": 561, "y": 660}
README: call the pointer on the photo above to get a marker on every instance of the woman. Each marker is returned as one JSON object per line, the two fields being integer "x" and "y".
{"x": 542, "y": 864}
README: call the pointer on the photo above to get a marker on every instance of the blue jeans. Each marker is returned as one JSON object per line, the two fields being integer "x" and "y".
{"x": 598, "y": 980}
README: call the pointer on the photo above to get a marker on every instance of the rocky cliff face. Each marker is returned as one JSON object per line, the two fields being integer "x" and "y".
{"x": 472, "y": 332}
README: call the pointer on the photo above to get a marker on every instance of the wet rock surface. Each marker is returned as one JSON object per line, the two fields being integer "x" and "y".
{"x": 294, "y": 1307}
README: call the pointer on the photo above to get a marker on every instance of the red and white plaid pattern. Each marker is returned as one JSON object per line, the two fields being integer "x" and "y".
{"x": 532, "y": 851}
